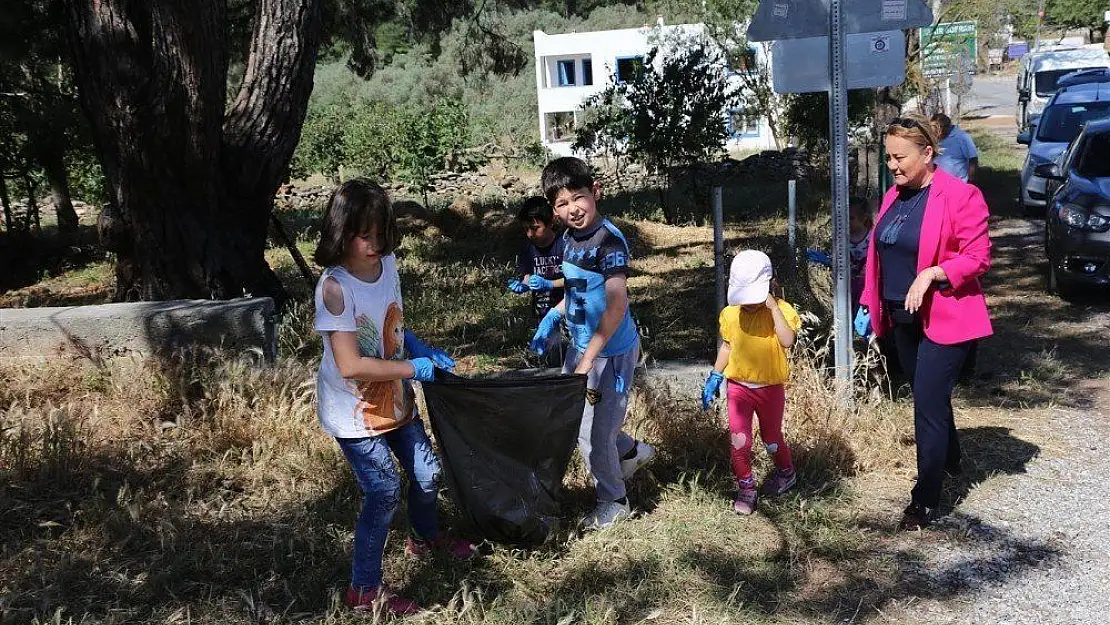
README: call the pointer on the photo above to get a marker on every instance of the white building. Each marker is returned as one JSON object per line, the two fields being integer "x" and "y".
{"x": 574, "y": 66}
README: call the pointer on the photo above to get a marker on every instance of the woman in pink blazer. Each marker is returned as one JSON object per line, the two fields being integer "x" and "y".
{"x": 928, "y": 249}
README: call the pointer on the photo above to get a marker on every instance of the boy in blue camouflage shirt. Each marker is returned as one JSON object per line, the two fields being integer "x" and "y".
{"x": 605, "y": 345}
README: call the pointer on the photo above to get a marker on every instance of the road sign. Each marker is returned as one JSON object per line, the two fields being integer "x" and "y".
{"x": 948, "y": 48}
{"x": 775, "y": 20}
{"x": 871, "y": 60}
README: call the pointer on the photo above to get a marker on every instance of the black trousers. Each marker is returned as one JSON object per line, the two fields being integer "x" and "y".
{"x": 932, "y": 370}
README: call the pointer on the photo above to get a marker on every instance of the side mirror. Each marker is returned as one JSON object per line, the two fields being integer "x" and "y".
{"x": 1050, "y": 171}
{"x": 1023, "y": 95}
{"x": 1026, "y": 137}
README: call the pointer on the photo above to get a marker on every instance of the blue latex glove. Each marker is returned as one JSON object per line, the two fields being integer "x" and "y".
{"x": 417, "y": 349}
{"x": 620, "y": 385}
{"x": 423, "y": 370}
{"x": 540, "y": 283}
{"x": 712, "y": 387}
{"x": 863, "y": 322}
{"x": 518, "y": 287}
{"x": 547, "y": 325}
{"x": 819, "y": 257}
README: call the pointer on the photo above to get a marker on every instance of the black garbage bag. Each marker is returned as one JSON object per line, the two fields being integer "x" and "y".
{"x": 505, "y": 442}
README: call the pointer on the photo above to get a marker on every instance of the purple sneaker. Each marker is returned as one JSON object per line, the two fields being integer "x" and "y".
{"x": 744, "y": 504}
{"x": 780, "y": 482}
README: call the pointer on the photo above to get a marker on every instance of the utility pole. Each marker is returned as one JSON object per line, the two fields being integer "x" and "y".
{"x": 1040, "y": 18}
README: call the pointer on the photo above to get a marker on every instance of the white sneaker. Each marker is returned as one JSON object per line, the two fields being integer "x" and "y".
{"x": 644, "y": 454}
{"x": 605, "y": 515}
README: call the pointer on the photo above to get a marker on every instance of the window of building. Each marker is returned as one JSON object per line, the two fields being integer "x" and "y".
{"x": 628, "y": 67}
{"x": 564, "y": 71}
{"x": 742, "y": 123}
{"x": 560, "y": 126}
{"x": 587, "y": 71}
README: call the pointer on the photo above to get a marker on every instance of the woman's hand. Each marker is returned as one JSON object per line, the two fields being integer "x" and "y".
{"x": 916, "y": 295}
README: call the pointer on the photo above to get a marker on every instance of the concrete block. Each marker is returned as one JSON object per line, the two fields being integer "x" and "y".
{"x": 138, "y": 329}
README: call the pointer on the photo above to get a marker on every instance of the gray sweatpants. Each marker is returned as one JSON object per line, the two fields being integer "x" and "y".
{"x": 600, "y": 438}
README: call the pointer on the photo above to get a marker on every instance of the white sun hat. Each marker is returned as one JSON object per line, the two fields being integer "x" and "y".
{"x": 749, "y": 279}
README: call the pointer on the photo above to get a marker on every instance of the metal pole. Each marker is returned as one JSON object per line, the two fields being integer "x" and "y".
{"x": 719, "y": 246}
{"x": 1037, "y": 35}
{"x": 838, "y": 134}
{"x": 792, "y": 217}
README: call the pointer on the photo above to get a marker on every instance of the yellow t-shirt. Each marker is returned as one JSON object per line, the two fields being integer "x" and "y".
{"x": 757, "y": 356}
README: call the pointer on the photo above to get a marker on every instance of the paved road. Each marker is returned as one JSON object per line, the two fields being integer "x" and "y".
{"x": 992, "y": 95}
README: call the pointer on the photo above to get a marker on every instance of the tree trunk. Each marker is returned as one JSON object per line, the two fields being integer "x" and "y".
{"x": 58, "y": 179}
{"x": 6, "y": 200}
{"x": 193, "y": 186}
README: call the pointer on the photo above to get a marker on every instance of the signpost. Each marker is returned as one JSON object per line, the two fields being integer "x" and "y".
{"x": 835, "y": 21}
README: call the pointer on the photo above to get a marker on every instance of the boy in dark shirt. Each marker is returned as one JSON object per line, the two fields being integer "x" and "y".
{"x": 539, "y": 264}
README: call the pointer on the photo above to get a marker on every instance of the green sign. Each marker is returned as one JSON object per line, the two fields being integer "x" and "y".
{"x": 948, "y": 48}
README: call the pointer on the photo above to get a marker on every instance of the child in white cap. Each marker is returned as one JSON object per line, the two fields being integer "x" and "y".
{"x": 756, "y": 330}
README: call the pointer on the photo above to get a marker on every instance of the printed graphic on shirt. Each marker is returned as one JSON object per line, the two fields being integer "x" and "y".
{"x": 546, "y": 262}
{"x": 383, "y": 404}
{"x": 588, "y": 260}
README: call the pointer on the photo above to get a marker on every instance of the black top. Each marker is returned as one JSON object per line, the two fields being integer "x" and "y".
{"x": 546, "y": 262}
{"x": 897, "y": 236}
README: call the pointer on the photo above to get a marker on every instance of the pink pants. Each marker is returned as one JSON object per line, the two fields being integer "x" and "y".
{"x": 768, "y": 403}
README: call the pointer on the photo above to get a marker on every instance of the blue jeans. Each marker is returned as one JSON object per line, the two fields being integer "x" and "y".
{"x": 377, "y": 476}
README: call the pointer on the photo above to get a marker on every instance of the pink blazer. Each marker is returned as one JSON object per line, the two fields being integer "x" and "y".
{"x": 953, "y": 235}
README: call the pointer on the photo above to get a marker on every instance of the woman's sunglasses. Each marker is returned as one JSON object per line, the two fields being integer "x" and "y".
{"x": 906, "y": 123}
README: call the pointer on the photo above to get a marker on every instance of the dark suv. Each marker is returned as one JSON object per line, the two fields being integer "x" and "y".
{"x": 1077, "y": 226}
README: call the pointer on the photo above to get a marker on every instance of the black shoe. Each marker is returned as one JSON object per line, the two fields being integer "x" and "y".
{"x": 915, "y": 517}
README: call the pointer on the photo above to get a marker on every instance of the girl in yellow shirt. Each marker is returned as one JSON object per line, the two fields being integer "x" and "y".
{"x": 756, "y": 330}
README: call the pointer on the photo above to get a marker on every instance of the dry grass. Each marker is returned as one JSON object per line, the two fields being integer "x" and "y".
{"x": 203, "y": 491}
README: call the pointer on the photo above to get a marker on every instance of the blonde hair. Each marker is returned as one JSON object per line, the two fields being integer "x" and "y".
{"x": 916, "y": 129}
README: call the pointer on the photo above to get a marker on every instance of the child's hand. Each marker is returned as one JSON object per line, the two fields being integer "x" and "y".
{"x": 543, "y": 332}
{"x": 712, "y": 387}
{"x": 540, "y": 283}
{"x": 518, "y": 287}
{"x": 862, "y": 322}
{"x": 423, "y": 370}
{"x": 771, "y": 303}
{"x": 417, "y": 349}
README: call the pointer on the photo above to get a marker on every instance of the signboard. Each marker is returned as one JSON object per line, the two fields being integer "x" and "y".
{"x": 948, "y": 48}
{"x": 871, "y": 60}
{"x": 775, "y": 20}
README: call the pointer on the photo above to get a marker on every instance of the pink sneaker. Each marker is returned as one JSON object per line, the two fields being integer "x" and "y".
{"x": 744, "y": 504}
{"x": 780, "y": 482}
{"x": 457, "y": 548}
{"x": 364, "y": 601}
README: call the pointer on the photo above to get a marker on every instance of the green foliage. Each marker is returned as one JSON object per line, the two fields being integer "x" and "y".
{"x": 671, "y": 114}
{"x": 1077, "y": 13}
{"x": 380, "y": 139}
{"x": 807, "y": 117}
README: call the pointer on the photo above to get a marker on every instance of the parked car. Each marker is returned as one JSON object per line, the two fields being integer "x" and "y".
{"x": 1068, "y": 110}
{"x": 1077, "y": 228}
{"x": 1084, "y": 76}
{"x": 1040, "y": 70}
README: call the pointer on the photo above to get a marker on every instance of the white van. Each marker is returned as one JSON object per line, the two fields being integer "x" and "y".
{"x": 1040, "y": 69}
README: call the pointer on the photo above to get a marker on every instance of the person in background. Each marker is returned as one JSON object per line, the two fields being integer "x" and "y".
{"x": 860, "y": 222}
{"x": 958, "y": 155}
{"x": 756, "y": 330}
{"x": 539, "y": 266}
{"x": 929, "y": 248}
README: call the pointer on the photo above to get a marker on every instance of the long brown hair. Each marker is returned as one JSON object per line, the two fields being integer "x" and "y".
{"x": 353, "y": 208}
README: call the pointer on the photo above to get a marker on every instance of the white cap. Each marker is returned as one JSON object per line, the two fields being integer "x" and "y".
{"x": 749, "y": 279}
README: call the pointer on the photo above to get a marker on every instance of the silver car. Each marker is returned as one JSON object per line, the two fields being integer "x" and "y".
{"x": 1048, "y": 136}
